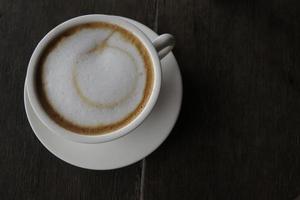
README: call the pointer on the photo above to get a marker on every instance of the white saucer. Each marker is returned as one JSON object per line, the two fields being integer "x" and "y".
{"x": 132, "y": 147}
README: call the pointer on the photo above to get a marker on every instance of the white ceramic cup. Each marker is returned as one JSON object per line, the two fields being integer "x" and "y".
{"x": 157, "y": 49}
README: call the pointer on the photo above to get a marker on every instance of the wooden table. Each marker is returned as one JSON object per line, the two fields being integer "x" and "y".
{"x": 238, "y": 134}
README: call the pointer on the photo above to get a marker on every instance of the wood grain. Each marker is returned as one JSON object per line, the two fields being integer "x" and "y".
{"x": 237, "y": 136}
{"x": 238, "y": 133}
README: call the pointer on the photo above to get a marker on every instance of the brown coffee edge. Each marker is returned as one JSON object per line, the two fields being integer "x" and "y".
{"x": 99, "y": 129}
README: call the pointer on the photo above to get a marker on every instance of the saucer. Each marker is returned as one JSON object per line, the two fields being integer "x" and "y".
{"x": 132, "y": 147}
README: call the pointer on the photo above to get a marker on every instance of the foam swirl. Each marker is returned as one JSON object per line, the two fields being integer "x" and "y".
{"x": 98, "y": 52}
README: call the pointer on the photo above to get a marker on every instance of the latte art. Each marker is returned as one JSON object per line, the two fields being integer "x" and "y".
{"x": 94, "y": 78}
{"x": 115, "y": 79}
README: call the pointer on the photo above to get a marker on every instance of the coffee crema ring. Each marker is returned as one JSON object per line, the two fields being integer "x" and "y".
{"x": 70, "y": 70}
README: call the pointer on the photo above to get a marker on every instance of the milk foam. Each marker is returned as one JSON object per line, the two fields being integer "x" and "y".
{"x": 94, "y": 77}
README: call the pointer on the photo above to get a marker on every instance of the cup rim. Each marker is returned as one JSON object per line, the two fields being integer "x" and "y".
{"x": 105, "y": 137}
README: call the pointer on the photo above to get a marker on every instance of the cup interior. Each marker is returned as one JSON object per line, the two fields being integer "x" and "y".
{"x": 70, "y": 135}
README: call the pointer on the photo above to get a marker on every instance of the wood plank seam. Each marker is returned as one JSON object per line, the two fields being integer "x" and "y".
{"x": 142, "y": 184}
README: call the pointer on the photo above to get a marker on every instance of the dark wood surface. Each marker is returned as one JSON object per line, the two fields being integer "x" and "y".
{"x": 238, "y": 134}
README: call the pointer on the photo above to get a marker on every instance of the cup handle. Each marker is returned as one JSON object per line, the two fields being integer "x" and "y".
{"x": 164, "y": 44}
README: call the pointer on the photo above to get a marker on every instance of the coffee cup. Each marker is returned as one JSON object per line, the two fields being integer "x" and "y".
{"x": 118, "y": 58}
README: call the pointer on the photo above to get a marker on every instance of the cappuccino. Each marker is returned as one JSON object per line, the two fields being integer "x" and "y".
{"x": 94, "y": 78}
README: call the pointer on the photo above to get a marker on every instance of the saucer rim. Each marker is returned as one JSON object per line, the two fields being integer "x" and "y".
{"x": 176, "y": 115}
